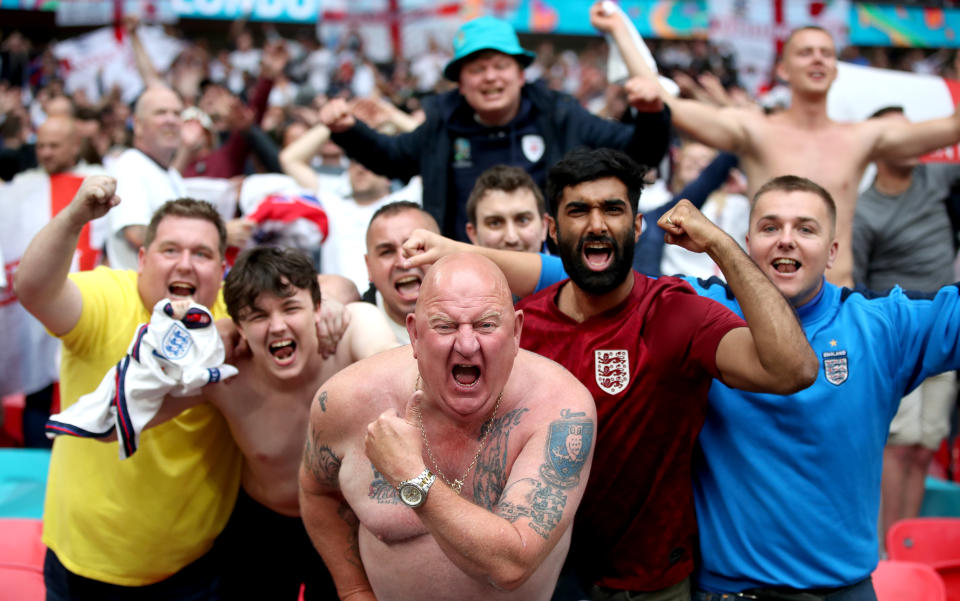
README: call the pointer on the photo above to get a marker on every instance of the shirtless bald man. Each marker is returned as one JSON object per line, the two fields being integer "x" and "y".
{"x": 801, "y": 140}
{"x": 461, "y": 404}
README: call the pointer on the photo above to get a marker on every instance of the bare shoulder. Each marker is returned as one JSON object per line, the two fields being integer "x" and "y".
{"x": 361, "y": 391}
{"x": 547, "y": 384}
{"x": 363, "y": 310}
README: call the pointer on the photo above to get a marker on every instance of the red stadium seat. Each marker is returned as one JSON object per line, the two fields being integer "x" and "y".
{"x": 950, "y": 573}
{"x": 902, "y": 580}
{"x": 927, "y": 540}
{"x": 20, "y": 582}
{"x": 20, "y": 542}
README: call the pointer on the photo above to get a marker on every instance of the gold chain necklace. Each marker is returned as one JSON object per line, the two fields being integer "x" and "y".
{"x": 458, "y": 483}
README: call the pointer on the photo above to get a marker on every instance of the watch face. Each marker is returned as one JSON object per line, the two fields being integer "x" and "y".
{"x": 411, "y": 495}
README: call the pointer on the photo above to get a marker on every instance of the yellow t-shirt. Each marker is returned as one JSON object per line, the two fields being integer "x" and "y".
{"x": 137, "y": 521}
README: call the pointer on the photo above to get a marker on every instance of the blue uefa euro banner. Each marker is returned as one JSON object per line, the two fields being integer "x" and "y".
{"x": 294, "y": 11}
{"x": 886, "y": 25}
{"x": 653, "y": 18}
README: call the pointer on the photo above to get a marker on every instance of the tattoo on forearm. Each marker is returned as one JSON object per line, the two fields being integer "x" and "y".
{"x": 543, "y": 505}
{"x": 352, "y": 554}
{"x": 492, "y": 466}
{"x": 322, "y": 399}
{"x": 320, "y": 461}
{"x": 543, "y": 501}
{"x": 381, "y": 491}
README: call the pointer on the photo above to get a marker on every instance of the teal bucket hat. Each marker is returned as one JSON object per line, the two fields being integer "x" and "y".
{"x": 485, "y": 33}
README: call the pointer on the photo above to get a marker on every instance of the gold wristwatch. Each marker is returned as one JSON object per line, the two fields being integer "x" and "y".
{"x": 413, "y": 492}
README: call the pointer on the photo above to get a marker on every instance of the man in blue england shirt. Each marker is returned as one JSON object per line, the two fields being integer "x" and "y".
{"x": 787, "y": 488}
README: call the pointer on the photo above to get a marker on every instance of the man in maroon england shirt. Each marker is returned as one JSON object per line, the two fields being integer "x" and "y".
{"x": 647, "y": 349}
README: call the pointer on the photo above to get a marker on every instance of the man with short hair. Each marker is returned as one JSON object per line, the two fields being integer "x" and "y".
{"x": 647, "y": 350}
{"x": 273, "y": 297}
{"x": 801, "y": 139}
{"x": 174, "y": 496}
{"x": 505, "y": 210}
{"x": 787, "y": 487}
{"x": 902, "y": 236}
{"x": 449, "y": 469}
{"x": 145, "y": 175}
{"x": 493, "y": 117}
{"x": 393, "y": 288}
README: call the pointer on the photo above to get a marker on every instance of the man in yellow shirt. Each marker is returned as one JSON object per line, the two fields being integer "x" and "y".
{"x": 147, "y": 522}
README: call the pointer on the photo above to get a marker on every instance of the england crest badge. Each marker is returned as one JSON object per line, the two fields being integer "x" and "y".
{"x": 611, "y": 370}
{"x": 571, "y": 438}
{"x": 835, "y": 367}
{"x": 533, "y": 147}
{"x": 176, "y": 342}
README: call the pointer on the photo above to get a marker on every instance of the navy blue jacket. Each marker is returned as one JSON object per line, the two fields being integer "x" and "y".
{"x": 563, "y": 123}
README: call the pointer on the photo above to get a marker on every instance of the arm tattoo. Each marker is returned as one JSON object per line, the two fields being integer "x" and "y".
{"x": 543, "y": 505}
{"x": 320, "y": 461}
{"x": 381, "y": 491}
{"x": 322, "y": 399}
{"x": 568, "y": 446}
{"x": 352, "y": 554}
{"x": 492, "y": 467}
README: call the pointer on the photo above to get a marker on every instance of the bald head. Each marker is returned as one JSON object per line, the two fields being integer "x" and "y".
{"x": 462, "y": 273}
{"x": 465, "y": 333}
{"x": 58, "y": 147}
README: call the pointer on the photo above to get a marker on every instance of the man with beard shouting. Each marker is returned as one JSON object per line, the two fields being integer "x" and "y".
{"x": 647, "y": 349}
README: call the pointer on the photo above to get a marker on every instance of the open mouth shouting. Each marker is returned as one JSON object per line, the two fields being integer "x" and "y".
{"x": 466, "y": 375}
{"x": 785, "y": 265}
{"x": 408, "y": 287}
{"x": 597, "y": 254}
{"x": 283, "y": 350}
{"x": 181, "y": 289}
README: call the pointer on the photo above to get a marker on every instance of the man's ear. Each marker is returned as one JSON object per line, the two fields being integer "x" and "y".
{"x": 832, "y": 253}
{"x": 551, "y": 227}
{"x": 472, "y": 233}
{"x": 517, "y": 326}
{"x": 411, "y": 324}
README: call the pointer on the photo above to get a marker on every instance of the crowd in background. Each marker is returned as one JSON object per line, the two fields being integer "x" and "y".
{"x": 32, "y": 82}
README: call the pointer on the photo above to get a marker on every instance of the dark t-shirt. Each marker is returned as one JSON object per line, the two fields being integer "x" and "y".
{"x": 648, "y": 363}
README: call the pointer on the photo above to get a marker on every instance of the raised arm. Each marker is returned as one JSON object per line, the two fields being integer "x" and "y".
{"x": 41, "y": 280}
{"x": 720, "y": 128}
{"x": 145, "y": 67}
{"x": 502, "y": 544}
{"x": 904, "y": 140}
{"x": 331, "y": 523}
{"x": 295, "y": 157}
{"x": 772, "y": 354}
{"x": 522, "y": 269}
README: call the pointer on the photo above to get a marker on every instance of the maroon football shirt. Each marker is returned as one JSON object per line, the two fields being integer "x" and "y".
{"x": 648, "y": 363}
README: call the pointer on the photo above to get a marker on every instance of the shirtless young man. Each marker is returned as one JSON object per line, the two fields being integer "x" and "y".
{"x": 514, "y": 427}
{"x": 273, "y": 297}
{"x": 801, "y": 140}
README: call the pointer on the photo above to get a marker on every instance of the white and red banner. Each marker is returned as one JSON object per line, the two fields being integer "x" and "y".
{"x": 860, "y": 91}
{"x": 103, "y": 58}
{"x": 28, "y": 357}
